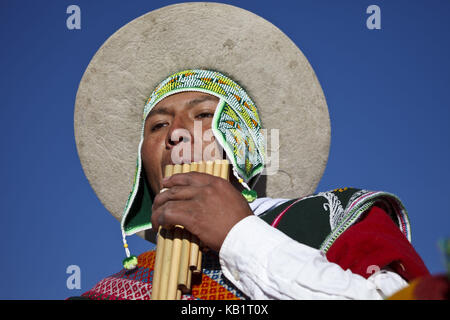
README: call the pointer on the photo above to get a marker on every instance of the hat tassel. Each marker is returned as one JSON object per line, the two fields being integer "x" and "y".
{"x": 249, "y": 194}
{"x": 130, "y": 262}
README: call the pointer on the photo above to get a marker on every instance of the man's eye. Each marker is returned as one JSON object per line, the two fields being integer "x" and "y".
{"x": 158, "y": 126}
{"x": 205, "y": 115}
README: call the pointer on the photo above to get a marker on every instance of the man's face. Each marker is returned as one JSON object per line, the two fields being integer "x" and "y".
{"x": 169, "y": 135}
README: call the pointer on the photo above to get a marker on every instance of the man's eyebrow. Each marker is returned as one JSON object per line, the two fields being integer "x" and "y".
{"x": 165, "y": 111}
{"x": 159, "y": 110}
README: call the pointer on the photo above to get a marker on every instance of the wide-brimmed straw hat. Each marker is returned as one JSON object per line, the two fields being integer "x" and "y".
{"x": 248, "y": 49}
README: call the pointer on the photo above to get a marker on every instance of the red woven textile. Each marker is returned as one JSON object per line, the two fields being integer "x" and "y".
{"x": 376, "y": 242}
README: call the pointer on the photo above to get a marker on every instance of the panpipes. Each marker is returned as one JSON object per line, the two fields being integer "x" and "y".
{"x": 178, "y": 254}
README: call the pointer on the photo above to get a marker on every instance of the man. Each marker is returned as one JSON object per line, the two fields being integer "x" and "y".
{"x": 319, "y": 246}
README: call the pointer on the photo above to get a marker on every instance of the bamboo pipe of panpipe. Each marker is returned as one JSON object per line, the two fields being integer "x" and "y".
{"x": 185, "y": 248}
{"x": 224, "y": 170}
{"x": 159, "y": 258}
{"x": 165, "y": 267}
{"x": 217, "y": 168}
{"x": 172, "y": 286}
{"x": 158, "y": 263}
{"x": 201, "y": 167}
{"x": 189, "y": 271}
{"x": 167, "y": 256}
{"x": 209, "y": 167}
{"x": 183, "y": 283}
{"x": 197, "y": 264}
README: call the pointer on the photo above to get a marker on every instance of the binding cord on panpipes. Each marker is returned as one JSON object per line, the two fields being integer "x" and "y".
{"x": 178, "y": 253}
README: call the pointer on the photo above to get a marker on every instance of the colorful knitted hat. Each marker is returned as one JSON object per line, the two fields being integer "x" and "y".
{"x": 229, "y": 49}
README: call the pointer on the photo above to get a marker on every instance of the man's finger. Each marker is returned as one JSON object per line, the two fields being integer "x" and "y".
{"x": 175, "y": 193}
{"x": 195, "y": 179}
{"x": 172, "y": 213}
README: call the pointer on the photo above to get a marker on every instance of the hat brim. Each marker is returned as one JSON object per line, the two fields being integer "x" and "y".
{"x": 224, "y": 38}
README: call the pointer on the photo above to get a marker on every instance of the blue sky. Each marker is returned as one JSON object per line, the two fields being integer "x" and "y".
{"x": 387, "y": 91}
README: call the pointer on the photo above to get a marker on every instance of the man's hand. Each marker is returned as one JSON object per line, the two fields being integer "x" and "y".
{"x": 205, "y": 205}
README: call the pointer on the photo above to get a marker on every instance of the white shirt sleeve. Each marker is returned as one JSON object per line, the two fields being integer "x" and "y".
{"x": 264, "y": 263}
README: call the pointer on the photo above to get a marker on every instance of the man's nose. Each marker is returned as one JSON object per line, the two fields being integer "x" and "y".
{"x": 178, "y": 136}
{"x": 178, "y": 133}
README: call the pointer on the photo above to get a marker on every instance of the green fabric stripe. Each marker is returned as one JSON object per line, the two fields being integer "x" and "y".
{"x": 141, "y": 210}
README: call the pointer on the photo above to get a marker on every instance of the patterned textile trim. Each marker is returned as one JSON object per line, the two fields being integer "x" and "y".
{"x": 94, "y": 295}
{"x": 136, "y": 284}
{"x": 113, "y": 288}
{"x": 210, "y": 289}
{"x": 360, "y": 202}
{"x": 147, "y": 259}
{"x": 318, "y": 220}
